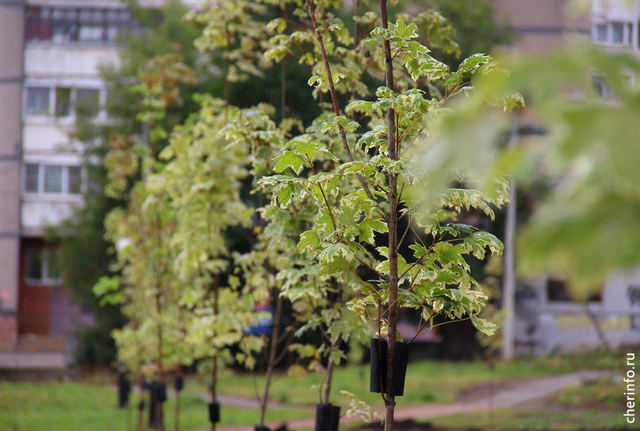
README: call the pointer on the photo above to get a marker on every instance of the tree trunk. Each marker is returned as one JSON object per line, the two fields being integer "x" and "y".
{"x": 177, "y": 418}
{"x": 159, "y": 311}
{"x": 326, "y": 399}
{"x": 334, "y": 346}
{"x": 272, "y": 359}
{"x": 597, "y": 326}
{"x": 392, "y": 316}
{"x": 214, "y": 373}
{"x": 508, "y": 296}
{"x": 160, "y": 369}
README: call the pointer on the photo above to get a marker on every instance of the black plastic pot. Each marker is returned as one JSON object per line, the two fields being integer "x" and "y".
{"x": 154, "y": 414}
{"x": 259, "y": 428}
{"x": 378, "y": 377}
{"x": 214, "y": 412}
{"x": 124, "y": 389}
{"x": 179, "y": 383}
{"x": 160, "y": 393}
{"x": 327, "y": 417}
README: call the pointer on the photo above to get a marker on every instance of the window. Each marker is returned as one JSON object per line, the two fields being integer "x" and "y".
{"x": 63, "y": 102}
{"x": 618, "y": 32}
{"x": 42, "y": 265}
{"x": 614, "y": 33}
{"x": 55, "y": 179}
{"x": 72, "y": 25}
{"x": 603, "y": 90}
{"x": 38, "y": 101}
{"x": 32, "y": 178}
{"x": 64, "y": 25}
{"x": 87, "y": 102}
{"x": 601, "y": 32}
{"x": 558, "y": 291}
{"x": 74, "y": 179}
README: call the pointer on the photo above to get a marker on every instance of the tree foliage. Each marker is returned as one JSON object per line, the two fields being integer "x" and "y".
{"x": 585, "y": 228}
{"x": 360, "y": 218}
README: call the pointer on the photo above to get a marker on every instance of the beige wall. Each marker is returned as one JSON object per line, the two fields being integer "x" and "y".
{"x": 11, "y": 34}
{"x": 11, "y": 48}
{"x": 543, "y": 24}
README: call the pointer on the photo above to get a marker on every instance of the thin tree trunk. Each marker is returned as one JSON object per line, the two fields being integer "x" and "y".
{"x": 160, "y": 369}
{"x": 140, "y": 423}
{"x": 227, "y": 84}
{"x": 214, "y": 373}
{"x": 392, "y": 223}
{"x": 159, "y": 330}
{"x": 329, "y": 376}
{"x": 283, "y": 89}
{"x": 356, "y": 41}
{"x": 326, "y": 399}
{"x": 272, "y": 360}
{"x": 508, "y": 332}
{"x": 283, "y": 78}
{"x": 177, "y": 419}
{"x": 597, "y": 326}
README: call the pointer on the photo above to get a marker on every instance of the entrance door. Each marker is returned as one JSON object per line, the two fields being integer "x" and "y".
{"x": 34, "y": 310}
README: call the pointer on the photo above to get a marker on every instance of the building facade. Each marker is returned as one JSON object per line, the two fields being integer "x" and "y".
{"x": 50, "y": 55}
{"x": 49, "y": 75}
{"x": 544, "y": 24}
{"x": 547, "y": 319}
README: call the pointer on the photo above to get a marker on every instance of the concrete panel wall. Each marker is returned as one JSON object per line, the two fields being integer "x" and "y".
{"x": 68, "y": 63}
{"x": 542, "y": 25}
{"x": 543, "y": 326}
{"x": 11, "y": 48}
{"x": 45, "y": 137}
{"x": 38, "y": 213}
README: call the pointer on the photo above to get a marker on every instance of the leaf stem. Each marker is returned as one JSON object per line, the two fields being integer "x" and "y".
{"x": 334, "y": 99}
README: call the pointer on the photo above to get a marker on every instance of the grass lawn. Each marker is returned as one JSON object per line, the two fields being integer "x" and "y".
{"x": 54, "y": 406}
{"x": 427, "y": 381}
{"x": 593, "y": 405}
{"x": 533, "y": 419}
{"x": 90, "y": 404}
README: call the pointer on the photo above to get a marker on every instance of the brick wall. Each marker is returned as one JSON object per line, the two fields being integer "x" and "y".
{"x": 8, "y": 332}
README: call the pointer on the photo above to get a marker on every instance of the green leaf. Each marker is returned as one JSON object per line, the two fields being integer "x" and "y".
{"x": 449, "y": 255}
{"x": 366, "y": 228}
{"x": 419, "y": 251}
{"x": 478, "y": 241}
{"x": 309, "y": 241}
{"x": 289, "y": 160}
{"x": 337, "y": 253}
{"x": 285, "y": 193}
{"x": 483, "y": 325}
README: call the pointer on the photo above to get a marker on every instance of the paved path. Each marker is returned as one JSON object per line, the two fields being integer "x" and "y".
{"x": 229, "y": 400}
{"x": 525, "y": 393}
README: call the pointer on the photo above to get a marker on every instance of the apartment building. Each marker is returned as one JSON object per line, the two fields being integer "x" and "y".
{"x": 547, "y": 319}
{"x": 49, "y": 74}
{"x": 543, "y": 25}
{"x": 50, "y": 55}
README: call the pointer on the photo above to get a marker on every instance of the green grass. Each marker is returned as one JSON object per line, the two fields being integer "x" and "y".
{"x": 54, "y": 406}
{"x": 593, "y": 405}
{"x": 427, "y": 381}
{"x": 606, "y": 393}
{"x": 90, "y": 405}
{"x": 537, "y": 419}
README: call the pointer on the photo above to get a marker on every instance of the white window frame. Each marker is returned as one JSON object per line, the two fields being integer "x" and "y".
{"x": 45, "y": 280}
{"x": 627, "y": 36}
{"x": 65, "y": 179}
{"x": 52, "y": 117}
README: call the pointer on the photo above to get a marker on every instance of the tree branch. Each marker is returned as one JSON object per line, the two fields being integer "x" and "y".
{"x": 334, "y": 98}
